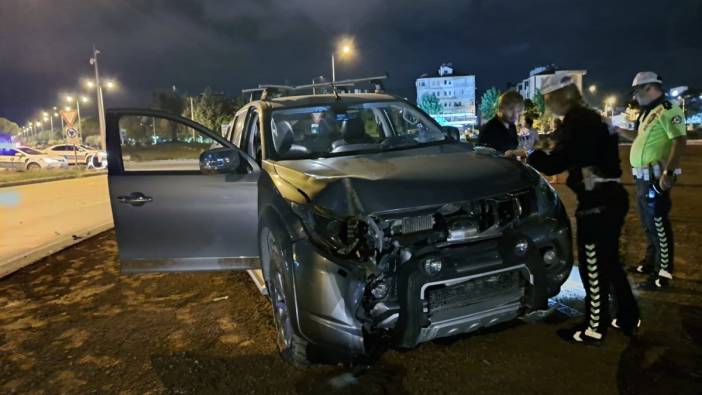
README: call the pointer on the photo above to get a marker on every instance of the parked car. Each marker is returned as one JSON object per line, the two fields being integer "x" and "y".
{"x": 78, "y": 154}
{"x": 371, "y": 224}
{"x": 25, "y": 158}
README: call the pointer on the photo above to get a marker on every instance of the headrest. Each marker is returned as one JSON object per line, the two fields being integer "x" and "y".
{"x": 353, "y": 128}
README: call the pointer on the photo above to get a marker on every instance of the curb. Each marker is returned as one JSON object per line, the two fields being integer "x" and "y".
{"x": 25, "y": 259}
{"x": 47, "y": 179}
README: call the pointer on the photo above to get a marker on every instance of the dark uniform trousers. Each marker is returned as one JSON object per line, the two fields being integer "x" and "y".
{"x": 600, "y": 218}
{"x": 654, "y": 209}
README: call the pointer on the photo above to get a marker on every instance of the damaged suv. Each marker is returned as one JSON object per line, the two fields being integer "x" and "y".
{"x": 371, "y": 223}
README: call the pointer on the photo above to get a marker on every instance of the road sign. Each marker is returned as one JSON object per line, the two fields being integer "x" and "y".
{"x": 72, "y": 136}
{"x": 69, "y": 116}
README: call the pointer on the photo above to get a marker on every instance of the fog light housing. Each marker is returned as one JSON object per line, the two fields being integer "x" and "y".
{"x": 521, "y": 247}
{"x": 379, "y": 289}
{"x": 432, "y": 266}
{"x": 550, "y": 257}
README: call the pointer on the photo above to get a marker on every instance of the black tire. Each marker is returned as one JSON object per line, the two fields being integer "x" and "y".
{"x": 33, "y": 167}
{"x": 275, "y": 255}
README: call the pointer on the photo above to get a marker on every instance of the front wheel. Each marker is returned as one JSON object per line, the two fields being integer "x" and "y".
{"x": 33, "y": 167}
{"x": 291, "y": 346}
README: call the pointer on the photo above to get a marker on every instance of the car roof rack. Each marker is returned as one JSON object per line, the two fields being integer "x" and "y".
{"x": 269, "y": 91}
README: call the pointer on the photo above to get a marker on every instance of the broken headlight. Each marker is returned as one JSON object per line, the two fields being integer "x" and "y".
{"x": 342, "y": 236}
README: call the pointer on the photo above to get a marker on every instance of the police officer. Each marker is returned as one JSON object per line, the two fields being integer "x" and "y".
{"x": 659, "y": 142}
{"x": 591, "y": 155}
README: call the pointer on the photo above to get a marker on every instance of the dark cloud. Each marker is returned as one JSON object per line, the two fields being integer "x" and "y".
{"x": 229, "y": 45}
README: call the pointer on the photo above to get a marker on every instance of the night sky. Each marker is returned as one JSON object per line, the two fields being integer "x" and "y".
{"x": 233, "y": 44}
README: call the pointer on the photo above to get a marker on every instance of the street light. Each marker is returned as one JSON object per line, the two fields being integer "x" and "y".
{"x": 345, "y": 49}
{"x": 100, "y": 102}
{"x": 592, "y": 89}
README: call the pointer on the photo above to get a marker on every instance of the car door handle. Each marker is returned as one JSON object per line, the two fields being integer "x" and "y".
{"x": 135, "y": 199}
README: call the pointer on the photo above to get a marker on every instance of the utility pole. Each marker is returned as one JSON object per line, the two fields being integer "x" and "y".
{"x": 192, "y": 116}
{"x": 80, "y": 127}
{"x": 333, "y": 71}
{"x": 100, "y": 103}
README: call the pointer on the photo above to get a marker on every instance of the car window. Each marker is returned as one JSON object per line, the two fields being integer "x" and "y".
{"x": 29, "y": 151}
{"x": 238, "y": 129}
{"x": 230, "y": 131}
{"x": 341, "y": 129}
{"x": 153, "y": 144}
{"x": 253, "y": 137}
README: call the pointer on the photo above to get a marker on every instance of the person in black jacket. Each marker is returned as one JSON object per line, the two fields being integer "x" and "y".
{"x": 500, "y": 132}
{"x": 591, "y": 155}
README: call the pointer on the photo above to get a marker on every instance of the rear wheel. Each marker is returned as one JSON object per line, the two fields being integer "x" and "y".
{"x": 292, "y": 347}
{"x": 33, "y": 167}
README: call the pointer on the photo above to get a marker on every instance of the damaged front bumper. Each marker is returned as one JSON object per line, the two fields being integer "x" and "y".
{"x": 479, "y": 284}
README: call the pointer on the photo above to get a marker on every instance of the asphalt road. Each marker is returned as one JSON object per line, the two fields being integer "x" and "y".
{"x": 38, "y": 214}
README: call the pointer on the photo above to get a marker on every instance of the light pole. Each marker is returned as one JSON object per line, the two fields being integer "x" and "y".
{"x": 677, "y": 94}
{"x": 51, "y": 121}
{"x": 611, "y": 101}
{"x": 100, "y": 103}
{"x": 345, "y": 49}
{"x": 321, "y": 78}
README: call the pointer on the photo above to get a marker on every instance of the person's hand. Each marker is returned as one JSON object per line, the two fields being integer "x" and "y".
{"x": 516, "y": 153}
{"x": 665, "y": 182}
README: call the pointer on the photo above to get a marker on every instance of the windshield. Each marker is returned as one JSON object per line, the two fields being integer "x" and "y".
{"x": 341, "y": 129}
{"x": 29, "y": 151}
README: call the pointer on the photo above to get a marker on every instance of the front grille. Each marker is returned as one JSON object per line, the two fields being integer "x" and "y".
{"x": 473, "y": 291}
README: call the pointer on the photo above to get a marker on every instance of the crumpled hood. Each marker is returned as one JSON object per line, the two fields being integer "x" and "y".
{"x": 433, "y": 175}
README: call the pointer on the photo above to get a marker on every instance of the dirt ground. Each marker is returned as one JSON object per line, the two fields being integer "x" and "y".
{"x": 72, "y": 324}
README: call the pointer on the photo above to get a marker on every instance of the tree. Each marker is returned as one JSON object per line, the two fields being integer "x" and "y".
{"x": 488, "y": 103}
{"x": 9, "y": 127}
{"x": 169, "y": 102}
{"x": 214, "y": 109}
{"x": 430, "y": 104}
{"x": 539, "y": 103}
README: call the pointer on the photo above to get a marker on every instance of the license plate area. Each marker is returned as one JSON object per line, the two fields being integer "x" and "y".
{"x": 474, "y": 294}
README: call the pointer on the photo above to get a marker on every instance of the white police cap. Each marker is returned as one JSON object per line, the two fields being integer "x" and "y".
{"x": 556, "y": 82}
{"x": 646, "y": 77}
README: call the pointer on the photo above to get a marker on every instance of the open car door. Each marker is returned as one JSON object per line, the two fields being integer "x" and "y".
{"x": 182, "y": 197}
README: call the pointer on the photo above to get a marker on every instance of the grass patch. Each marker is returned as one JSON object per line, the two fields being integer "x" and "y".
{"x": 164, "y": 151}
{"x": 11, "y": 176}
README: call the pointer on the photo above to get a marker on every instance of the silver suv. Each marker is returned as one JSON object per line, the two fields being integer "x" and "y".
{"x": 372, "y": 224}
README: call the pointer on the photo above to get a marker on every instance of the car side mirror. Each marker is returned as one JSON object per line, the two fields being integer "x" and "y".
{"x": 220, "y": 160}
{"x": 453, "y": 132}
